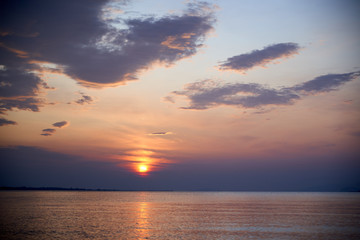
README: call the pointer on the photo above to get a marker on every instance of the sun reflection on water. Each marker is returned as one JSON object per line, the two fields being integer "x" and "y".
{"x": 142, "y": 221}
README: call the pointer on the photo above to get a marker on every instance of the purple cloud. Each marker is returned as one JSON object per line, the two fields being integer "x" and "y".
{"x": 244, "y": 62}
{"x": 325, "y": 83}
{"x": 4, "y": 122}
{"x": 49, "y": 130}
{"x": 208, "y": 93}
{"x": 18, "y": 86}
{"x": 61, "y": 124}
{"x": 160, "y": 133}
{"x": 46, "y": 134}
{"x": 89, "y": 48}
{"x": 85, "y": 99}
{"x": 21, "y": 103}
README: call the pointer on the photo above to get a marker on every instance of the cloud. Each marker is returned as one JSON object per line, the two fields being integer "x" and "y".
{"x": 4, "y": 122}
{"x": 355, "y": 133}
{"x": 21, "y": 103}
{"x": 160, "y": 133}
{"x": 51, "y": 131}
{"x": 61, "y": 124}
{"x": 209, "y": 93}
{"x": 89, "y": 48}
{"x": 326, "y": 83}
{"x": 85, "y": 99}
{"x": 247, "y": 61}
{"x": 18, "y": 86}
{"x": 46, "y": 134}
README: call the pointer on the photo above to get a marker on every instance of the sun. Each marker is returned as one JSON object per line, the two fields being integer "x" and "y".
{"x": 143, "y": 168}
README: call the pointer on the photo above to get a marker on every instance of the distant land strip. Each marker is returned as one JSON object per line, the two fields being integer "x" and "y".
{"x": 74, "y": 189}
{"x": 23, "y": 188}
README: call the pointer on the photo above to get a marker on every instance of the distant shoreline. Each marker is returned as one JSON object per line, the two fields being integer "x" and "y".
{"x": 146, "y": 190}
{"x": 74, "y": 189}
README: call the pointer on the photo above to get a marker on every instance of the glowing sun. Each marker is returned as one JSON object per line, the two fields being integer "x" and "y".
{"x": 143, "y": 168}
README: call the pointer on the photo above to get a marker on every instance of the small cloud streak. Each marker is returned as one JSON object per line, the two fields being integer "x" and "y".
{"x": 85, "y": 99}
{"x": 209, "y": 93}
{"x": 49, "y": 130}
{"x": 325, "y": 83}
{"x": 160, "y": 133}
{"x": 247, "y": 61}
{"x": 46, "y": 134}
{"x": 4, "y": 122}
{"x": 61, "y": 124}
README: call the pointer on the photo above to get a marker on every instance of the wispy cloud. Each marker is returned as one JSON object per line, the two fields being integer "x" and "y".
{"x": 48, "y": 132}
{"x": 160, "y": 133}
{"x": 4, "y": 122}
{"x": 325, "y": 83}
{"x": 248, "y": 95}
{"x": 84, "y": 99}
{"x": 209, "y": 93}
{"x": 21, "y": 103}
{"x": 247, "y": 61}
{"x": 61, "y": 124}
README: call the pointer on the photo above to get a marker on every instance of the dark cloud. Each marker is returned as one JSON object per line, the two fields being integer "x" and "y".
{"x": 21, "y": 103}
{"x": 18, "y": 86}
{"x": 208, "y": 93}
{"x": 326, "y": 83}
{"x": 49, "y": 130}
{"x": 85, "y": 99}
{"x": 61, "y": 124}
{"x": 4, "y": 122}
{"x": 244, "y": 62}
{"x": 160, "y": 133}
{"x": 46, "y": 134}
{"x": 73, "y": 35}
{"x": 355, "y": 133}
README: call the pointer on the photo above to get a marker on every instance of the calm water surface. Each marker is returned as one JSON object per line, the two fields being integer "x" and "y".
{"x": 178, "y": 215}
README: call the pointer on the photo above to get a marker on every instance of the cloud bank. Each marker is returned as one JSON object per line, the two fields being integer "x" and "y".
{"x": 73, "y": 34}
{"x": 83, "y": 43}
{"x": 209, "y": 93}
{"x": 247, "y": 61}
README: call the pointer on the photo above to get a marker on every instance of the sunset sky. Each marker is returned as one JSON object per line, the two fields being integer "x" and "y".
{"x": 181, "y": 95}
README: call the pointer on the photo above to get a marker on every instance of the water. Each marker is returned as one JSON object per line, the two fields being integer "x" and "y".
{"x": 178, "y": 215}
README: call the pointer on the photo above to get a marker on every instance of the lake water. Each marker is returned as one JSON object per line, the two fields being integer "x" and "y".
{"x": 178, "y": 215}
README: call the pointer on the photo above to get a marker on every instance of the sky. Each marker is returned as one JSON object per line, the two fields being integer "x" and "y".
{"x": 247, "y": 95}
